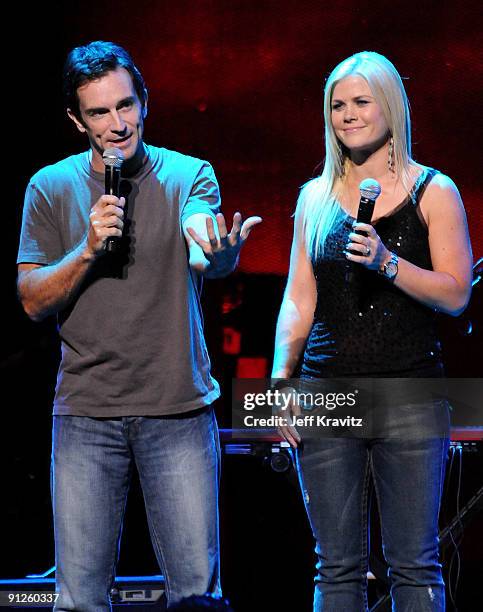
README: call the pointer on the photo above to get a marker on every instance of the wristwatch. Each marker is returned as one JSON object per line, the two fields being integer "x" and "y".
{"x": 390, "y": 269}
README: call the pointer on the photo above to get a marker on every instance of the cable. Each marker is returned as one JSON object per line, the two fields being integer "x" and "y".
{"x": 457, "y": 536}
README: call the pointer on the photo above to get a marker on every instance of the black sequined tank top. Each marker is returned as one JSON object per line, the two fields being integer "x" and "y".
{"x": 369, "y": 327}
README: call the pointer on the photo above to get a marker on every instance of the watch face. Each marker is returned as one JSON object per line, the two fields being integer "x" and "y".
{"x": 391, "y": 269}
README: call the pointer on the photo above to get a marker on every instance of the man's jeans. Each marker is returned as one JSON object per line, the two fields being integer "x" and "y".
{"x": 178, "y": 463}
{"x": 408, "y": 476}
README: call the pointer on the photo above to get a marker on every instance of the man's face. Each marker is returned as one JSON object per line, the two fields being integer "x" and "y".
{"x": 112, "y": 115}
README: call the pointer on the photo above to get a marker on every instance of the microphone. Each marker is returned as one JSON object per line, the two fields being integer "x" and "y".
{"x": 370, "y": 190}
{"x": 112, "y": 159}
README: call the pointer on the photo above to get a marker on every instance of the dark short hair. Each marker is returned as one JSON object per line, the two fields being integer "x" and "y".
{"x": 93, "y": 61}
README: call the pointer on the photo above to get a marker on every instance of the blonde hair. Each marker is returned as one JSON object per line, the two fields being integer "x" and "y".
{"x": 318, "y": 198}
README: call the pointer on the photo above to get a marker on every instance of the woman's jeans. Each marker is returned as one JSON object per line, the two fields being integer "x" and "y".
{"x": 408, "y": 475}
{"x": 177, "y": 459}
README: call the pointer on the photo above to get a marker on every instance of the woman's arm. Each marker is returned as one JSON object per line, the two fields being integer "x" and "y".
{"x": 297, "y": 309}
{"x": 295, "y": 319}
{"x": 447, "y": 287}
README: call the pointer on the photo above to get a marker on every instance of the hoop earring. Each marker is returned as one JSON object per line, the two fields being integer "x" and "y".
{"x": 390, "y": 156}
{"x": 341, "y": 157}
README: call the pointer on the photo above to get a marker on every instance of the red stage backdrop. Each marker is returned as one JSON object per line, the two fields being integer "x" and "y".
{"x": 240, "y": 83}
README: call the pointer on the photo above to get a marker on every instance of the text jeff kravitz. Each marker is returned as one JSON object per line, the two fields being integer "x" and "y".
{"x": 301, "y": 421}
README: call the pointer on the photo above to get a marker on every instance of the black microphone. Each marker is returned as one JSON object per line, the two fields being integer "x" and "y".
{"x": 112, "y": 159}
{"x": 370, "y": 191}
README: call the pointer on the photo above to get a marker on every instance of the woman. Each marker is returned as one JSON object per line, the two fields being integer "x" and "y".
{"x": 378, "y": 322}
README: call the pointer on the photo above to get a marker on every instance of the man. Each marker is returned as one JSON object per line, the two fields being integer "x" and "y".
{"x": 134, "y": 383}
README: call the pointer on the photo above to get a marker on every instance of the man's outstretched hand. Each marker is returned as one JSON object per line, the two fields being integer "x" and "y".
{"x": 222, "y": 249}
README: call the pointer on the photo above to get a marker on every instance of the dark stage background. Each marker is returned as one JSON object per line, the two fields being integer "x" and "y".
{"x": 238, "y": 83}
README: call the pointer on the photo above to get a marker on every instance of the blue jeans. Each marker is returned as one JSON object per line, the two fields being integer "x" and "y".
{"x": 177, "y": 459}
{"x": 408, "y": 477}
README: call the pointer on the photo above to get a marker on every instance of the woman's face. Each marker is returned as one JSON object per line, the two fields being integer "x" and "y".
{"x": 357, "y": 118}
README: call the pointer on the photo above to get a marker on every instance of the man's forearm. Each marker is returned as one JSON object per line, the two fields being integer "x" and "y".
{"x": 47, "y": 290}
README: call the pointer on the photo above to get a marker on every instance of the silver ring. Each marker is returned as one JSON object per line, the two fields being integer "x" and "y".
{"x": 368, "y": 251}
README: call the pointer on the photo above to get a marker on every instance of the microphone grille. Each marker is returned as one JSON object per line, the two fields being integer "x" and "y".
{"x": 370, "y": 189}
{"x": 113, "y": 157}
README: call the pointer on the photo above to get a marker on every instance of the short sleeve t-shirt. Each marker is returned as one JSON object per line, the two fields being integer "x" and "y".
{"x": 132, "y": 340}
